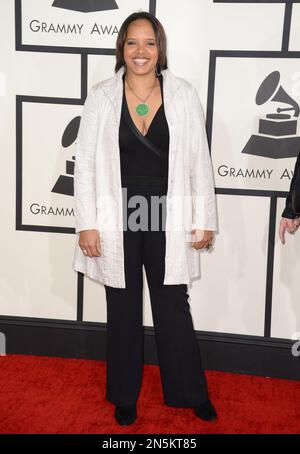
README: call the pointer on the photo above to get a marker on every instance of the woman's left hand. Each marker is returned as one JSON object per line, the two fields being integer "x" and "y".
{"x": 203, "y": 238}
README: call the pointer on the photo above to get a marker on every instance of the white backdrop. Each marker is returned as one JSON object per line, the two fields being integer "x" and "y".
{"x": 49, "y": 73}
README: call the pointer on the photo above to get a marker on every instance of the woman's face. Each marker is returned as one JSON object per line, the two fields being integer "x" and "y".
{"x": 140, "y": 48}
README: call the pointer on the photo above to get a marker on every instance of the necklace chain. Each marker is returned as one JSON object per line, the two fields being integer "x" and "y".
{"x": 143, "y": 100}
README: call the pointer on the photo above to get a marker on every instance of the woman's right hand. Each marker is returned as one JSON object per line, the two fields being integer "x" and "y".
{"x": 89, "y": 242}
{"x": 289, "y": 225}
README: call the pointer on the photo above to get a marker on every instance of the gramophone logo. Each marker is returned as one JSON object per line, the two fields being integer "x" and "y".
{"x": 86, "y": 6}
{"x": 276, "y": 137}
{"x": 65, "y": 183}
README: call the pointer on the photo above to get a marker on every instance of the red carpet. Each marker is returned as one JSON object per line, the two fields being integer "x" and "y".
{"x": 54, "y": 395}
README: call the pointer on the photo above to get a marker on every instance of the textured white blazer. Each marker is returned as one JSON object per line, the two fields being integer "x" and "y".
{"x": 97, "y": 181}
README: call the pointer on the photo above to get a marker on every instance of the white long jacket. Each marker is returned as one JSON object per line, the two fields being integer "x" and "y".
{"x": 190, "y": 198}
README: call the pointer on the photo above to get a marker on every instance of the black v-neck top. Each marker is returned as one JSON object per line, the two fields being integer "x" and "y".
{"x": 144, "y": 155}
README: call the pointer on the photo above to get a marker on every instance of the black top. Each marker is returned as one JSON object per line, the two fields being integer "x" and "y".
{"x": 144, "y": 155}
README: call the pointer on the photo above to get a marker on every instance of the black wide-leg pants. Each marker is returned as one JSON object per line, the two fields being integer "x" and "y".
{"x": 182, "y": 377}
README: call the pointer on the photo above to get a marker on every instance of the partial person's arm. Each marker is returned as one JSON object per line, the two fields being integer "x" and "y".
{"x": 84, "y": 177}
{"x": 201, "y": 175}
{"x": 290, "y": 221}
{"x": 288, "y": 211}
{"x": 84, "y": 172}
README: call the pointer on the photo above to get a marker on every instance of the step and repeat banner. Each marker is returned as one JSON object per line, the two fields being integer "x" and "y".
{"x": 244, "y": 59}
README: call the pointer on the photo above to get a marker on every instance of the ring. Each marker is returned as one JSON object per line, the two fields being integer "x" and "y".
{"x": 209, "y": 246}
{"x": 84, "y": 251}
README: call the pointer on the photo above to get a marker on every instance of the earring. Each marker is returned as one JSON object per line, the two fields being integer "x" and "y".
{"x": 158, "y": 66}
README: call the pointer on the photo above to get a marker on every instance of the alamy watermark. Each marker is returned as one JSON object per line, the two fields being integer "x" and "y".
{"x": 296, "y": 345}
{"x": 179, "y": 212}
{"x": 2, "y": 344}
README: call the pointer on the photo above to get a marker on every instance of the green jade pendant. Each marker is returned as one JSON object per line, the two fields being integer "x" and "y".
{"x": 142, "y": 109}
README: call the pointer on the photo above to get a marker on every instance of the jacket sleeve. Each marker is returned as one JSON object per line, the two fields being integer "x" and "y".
{"x": 288, "y": 211}
{"x": 201, "y": 173}
{"x": 84, "y": 171}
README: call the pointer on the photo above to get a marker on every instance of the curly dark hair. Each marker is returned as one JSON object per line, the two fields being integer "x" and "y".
{"x": 160, "y": 36}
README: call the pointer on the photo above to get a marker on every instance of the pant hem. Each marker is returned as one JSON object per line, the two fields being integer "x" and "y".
{"x": 114, "y": 402}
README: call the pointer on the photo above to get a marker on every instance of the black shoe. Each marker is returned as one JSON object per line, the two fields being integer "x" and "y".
{"x": 125, "y": 414}
{"x": 206, "y": 411}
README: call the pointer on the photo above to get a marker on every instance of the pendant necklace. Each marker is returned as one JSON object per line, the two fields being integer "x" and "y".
{"x": 142, "y": 109}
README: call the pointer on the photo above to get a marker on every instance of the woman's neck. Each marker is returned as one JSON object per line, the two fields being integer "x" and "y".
{"x": 140, "y": 82}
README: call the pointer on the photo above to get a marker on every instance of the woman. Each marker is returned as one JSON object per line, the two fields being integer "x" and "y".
{"x": 142, "y": 138}
{"x": 290, "y": 220}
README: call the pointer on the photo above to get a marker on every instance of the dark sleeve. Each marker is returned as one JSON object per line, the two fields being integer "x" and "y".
{"x": 288, "y": 211}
